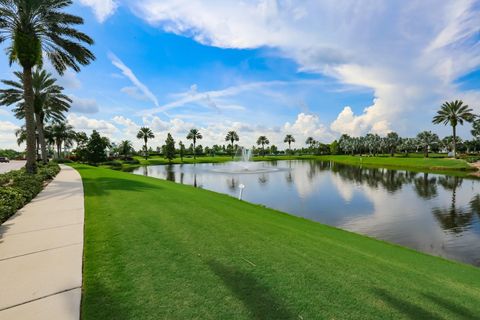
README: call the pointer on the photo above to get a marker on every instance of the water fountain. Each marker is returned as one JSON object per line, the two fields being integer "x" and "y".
{"x": 243, "y": 164}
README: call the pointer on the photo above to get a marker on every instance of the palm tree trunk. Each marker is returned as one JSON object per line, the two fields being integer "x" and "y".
{"x": 59, "y": 149}
{"x": 195, "y": 149}
{"x": 146, "y": 149}
{"x": 454, "y": 142}
{"x": 31, "y": 165}
{"x": 233, "y": 153}
{"x": 41, "y": 138}
{"x": 426, "y": 151}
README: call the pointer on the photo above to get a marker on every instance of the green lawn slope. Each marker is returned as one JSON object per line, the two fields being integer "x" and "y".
{"x": 159, "y": 250}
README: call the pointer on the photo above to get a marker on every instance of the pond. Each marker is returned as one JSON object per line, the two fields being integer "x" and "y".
{"x": 433, "y": 213}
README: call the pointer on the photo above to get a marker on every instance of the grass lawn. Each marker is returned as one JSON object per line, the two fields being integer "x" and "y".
{"x": 159, "y": 250}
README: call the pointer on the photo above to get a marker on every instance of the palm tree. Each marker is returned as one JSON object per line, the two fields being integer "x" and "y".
{"x": 289, "y": 139}
{"x": 232, "y": 136}
{"x": 36, "y": 29}
{"x": 427, "y": 139}
{"x": 124, "y": 148}
{"x": 62, "y": 134}
{"x": 145, "y": 134}
{"x": 392, "y": 141}
{"x": 194, "y": 135}
{"x": 310, "y": 142}
{"x": 262, "y": 140}
{"x": 454, "y": 113}
{"x": 49, "y": 101}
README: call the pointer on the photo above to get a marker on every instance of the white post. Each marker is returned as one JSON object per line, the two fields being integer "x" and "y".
{"x": 241, "y": 186}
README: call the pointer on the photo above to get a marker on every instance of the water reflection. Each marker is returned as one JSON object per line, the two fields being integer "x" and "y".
{"x": 429, "y": 212}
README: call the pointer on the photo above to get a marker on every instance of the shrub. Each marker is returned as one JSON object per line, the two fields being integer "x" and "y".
{"x": 63, "y": 160}
{"x": 133, "y": 161}
{"x": 17, "y": 188}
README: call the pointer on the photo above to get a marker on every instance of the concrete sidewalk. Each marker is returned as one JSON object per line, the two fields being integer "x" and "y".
{"x": 41, "y": 251}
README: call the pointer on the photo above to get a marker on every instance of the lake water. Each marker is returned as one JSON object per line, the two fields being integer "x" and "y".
{"x": 432, "y": 213}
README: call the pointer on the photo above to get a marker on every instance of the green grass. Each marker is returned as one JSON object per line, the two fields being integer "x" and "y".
{"x": 159, "y": 250}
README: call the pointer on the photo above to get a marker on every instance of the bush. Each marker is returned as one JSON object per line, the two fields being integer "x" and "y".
{"x": 63, "y": 160}
{"x": 113, "y": 163}
{"x": 17, "y": 188}
{"x": 133, "y": 161}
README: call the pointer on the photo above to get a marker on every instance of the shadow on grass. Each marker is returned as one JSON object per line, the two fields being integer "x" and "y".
{"x": 459, "y": 311}
{"x": 99, "y": 302}
{"x": 406, "y": 308}
{"x": 256, "y": 297}
{"x": 105, "y": 185}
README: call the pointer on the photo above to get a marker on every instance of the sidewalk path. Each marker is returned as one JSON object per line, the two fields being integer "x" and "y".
{"x": 41, "y": 251}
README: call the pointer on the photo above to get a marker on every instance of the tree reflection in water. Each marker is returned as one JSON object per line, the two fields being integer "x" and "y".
{"x": 452, "y": 218}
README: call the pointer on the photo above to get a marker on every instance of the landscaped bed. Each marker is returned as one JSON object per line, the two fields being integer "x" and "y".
{"x": 17, "y": 188}
{"x": 160, "y": 250}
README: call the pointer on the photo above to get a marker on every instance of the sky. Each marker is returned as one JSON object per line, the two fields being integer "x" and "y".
{"x": 269, "y": 67}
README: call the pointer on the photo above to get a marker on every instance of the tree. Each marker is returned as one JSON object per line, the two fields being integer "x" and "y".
{"x": 181, "y": 150}
{"x": 194, "y": 135}
{"x": 232, "y": 136}
{"x": 426, "y": 140}
{"x": 37, "y": 28}
{"x": 49, "y": 101}
{"x": 169, "y": 148}
{"x": 310, "y": 142}
{"x": 262, "y": 140}
{"x": 454, "y": 113}
{"x": 392, "y": 141}
{"x": 289, "y": 139}
{"x": 95, "y": 149}
{"x": 476, "y": 129}
{"x": 125, "y": 148}
{"x": 145, "y": 134}
{"x": 274, "y": 149}
{"x": 408, "y": 145}
{"x": 62, "y": 134}
{"x": 334, "y": 147}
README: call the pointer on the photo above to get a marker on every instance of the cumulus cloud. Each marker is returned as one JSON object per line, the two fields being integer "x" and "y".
{"x": 101, "y": 8}
{"x": 7, "y": 135}
{"x": 83, "y": 123}
{"x": 408, "y": 54}
{"x": 308, "y": 125}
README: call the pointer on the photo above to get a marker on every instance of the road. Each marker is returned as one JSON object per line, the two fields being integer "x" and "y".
{"x": 12, "y": 165}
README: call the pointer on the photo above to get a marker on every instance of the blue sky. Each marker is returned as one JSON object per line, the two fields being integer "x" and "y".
{"x": 269, "y": 67}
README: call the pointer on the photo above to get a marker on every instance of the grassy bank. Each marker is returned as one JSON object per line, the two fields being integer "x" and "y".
{"x": 160, "y": 250}
{"x": 415, "y": 162}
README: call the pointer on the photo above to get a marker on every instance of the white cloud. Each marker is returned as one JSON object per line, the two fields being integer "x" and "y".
{"x": 408, "y": 53}
{"x": 82, "y": 105}
{"x": 127, "y": 72}
{"x": 307, "y": 125}
{"x": 82, "y": 123}
{"x": 101, "y": 8}
{"x": 8, "y": 139}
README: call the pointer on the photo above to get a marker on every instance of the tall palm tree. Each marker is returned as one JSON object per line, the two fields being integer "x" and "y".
{"x": 145, "y": 134}
{"x": 426, "y": 140}
{"x": 289, "y": 139}
{"x": 36, "y": 28}
{"x": 49, "y": 101}
{"x": 454, "y": 113}
{"x": 232, "y": 136}
{"x": 194, "y": 135}
{"x": 310, "y": 142}
{"x": 262, "y": 140}
{"x": 62, "y": 134}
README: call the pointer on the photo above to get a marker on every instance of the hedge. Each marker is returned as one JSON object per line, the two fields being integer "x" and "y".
{"x": 17, "y": 188}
